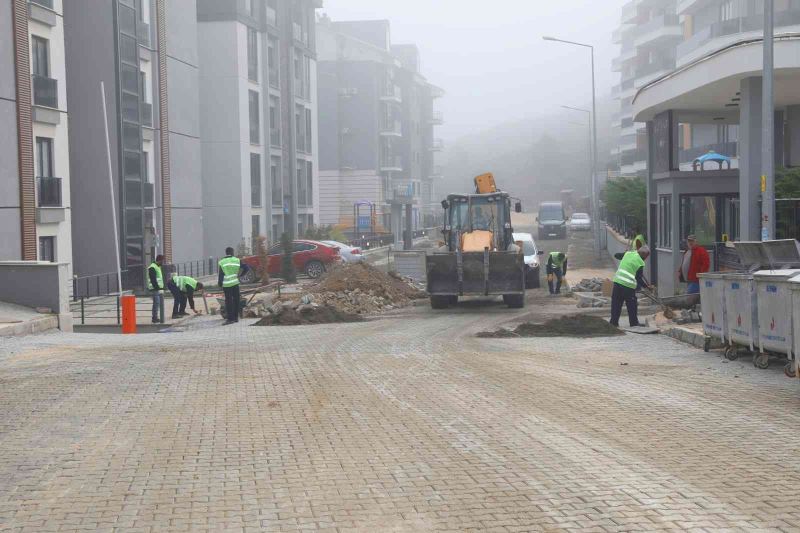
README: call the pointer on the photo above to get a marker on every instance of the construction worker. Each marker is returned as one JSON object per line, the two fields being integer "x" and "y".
{"x": 155, "y": 284}
{"x": 183, "y": 289}
{"x": 638, "y": 241}
{"x": 628, "y": 279}
{"x": 556, "y": 271}
{"x": 230, "y": 268}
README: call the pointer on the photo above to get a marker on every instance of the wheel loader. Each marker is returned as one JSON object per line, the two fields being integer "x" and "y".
{"x": 479, "y": 256}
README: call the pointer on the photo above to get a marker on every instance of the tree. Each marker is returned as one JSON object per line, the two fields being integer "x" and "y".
{"x": 627, "y": 197}
{"x": 288, "y": 272}
{"x": 324, "y": 233}
{"x": 787, "y": 183}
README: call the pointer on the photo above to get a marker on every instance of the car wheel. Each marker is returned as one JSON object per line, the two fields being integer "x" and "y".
{"x": 315, "y": 269}
{"x": 248, "y": 277}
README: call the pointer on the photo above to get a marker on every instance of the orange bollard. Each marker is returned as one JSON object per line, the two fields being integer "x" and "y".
{"x": 128, "y": 313}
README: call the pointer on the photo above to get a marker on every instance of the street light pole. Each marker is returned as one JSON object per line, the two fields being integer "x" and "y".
{"x": 768, "y": 128}
{"x": 595, "y": 201}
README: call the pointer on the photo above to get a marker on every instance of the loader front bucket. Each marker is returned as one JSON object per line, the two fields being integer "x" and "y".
{"x": 475, "y": 273}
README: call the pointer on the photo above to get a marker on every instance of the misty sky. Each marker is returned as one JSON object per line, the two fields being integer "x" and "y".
{"x": 490, "y": 58}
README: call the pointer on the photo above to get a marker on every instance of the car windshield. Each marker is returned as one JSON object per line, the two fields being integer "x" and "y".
{"x": 580, "y": 216}
{"x": 551, "y": 212}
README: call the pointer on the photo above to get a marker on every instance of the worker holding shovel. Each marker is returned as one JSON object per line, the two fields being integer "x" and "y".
{"x": 556, "y": 271}
{"x": 628, "y": 279}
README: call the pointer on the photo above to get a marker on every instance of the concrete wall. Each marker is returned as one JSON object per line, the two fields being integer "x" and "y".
{"x": 183, "y": 87}
{"x": 38, "y": 284}
{"x": 90, "y": 59}
{"x": 339, "y": 190}
{"x": 10, "y": 239}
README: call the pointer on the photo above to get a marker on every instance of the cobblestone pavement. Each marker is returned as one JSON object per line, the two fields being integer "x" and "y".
{"x": 407, "y": 423}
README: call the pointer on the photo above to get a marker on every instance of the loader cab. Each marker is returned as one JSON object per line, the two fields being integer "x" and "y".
{"x": 482, "y": 218}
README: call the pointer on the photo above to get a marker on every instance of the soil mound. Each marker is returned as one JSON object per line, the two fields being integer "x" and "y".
{"x": 316, "y": 315}
{"x": 365, "y": 278}
{"x": 569, "y": 326}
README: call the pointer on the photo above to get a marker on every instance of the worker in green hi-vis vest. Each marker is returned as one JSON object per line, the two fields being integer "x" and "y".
{"x": 628, "y": 279}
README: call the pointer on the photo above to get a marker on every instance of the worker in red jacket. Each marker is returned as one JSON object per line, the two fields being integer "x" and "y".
{"x": 695, "y": 261}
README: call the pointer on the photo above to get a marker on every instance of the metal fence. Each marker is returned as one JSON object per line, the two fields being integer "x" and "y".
{"x": 625, "y": 225}
{"x": 787, "y": 218}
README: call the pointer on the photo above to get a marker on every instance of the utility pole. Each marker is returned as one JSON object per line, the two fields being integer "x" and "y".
{"x": 768, "y": 128}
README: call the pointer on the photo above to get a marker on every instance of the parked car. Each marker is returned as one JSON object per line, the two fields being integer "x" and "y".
{"x": 350, "y": 254}
{"x": 532, "y": 265}
{"x": 580, "y": 222}
{"x": 310, "y": 257}
{"x": 552, "y": 221}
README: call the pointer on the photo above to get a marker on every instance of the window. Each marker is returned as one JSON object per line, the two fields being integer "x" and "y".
{"x": 730, "y": 217}
{"x": 255, "y": 180}
{"x": 309, "y": 183}
{"x": 275, "y": 179}
{"x": 299, "y": 134}
{"x": 699, "y": 217}
{"x": 664, "y": 222}
{"x": 256, "y": 228}
{"x": 301, "y": 182}
{"x": 274, "y": 121}
{"x": 308, "y": 131}
{"x": 40, "y": 48}
{"x": 272, "y": 62}
{"x": 729, "y": 10}
{"x": 47, "y": 249}
{"x": 255, "y": 125}
{"x": 252, "y": 54}
{"x": 44, "y": 157}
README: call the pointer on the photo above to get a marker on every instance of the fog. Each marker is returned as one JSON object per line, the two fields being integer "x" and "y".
{"x": 490, "y": 58}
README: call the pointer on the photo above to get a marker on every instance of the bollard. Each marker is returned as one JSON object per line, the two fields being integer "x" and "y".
{"x": 128, "y": 313}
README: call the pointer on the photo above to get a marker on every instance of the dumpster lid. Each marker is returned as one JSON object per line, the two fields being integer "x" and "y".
{"x": 777, "y": 275}
{"x": 779, "y": 254}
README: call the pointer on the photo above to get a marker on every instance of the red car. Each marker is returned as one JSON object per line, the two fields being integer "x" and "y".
{"x": 311, "y": 257}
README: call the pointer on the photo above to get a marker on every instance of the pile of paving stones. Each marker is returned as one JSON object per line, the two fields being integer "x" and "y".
{"x": 589, "y": 293}
{"x": 687, "y": 316}
{"x": 589, "y": 285}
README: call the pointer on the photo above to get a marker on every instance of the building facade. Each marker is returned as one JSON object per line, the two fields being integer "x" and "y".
{"x": 377, "y": 147}
{"x": 35, "y": 211}
{"x": 712, "y": 100}
{"x": 647, "y": 35}
{"x": 144, "y": 52}
{"x": 259, "y": 120}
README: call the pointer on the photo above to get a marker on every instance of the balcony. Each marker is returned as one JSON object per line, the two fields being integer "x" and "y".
{"x": 392, "y": 164}
{"x": 48, "y": 192}
{"x": 437, "y": 145}
{"x": 42, "y": 11}
{"x": 147, "y": 114}
{"x": 45, "y": 91}
{"x": 391, "y": 94}
{"x": 734, "y": 26}
{"x": 45, "y": 3}
{"x": 272, "y": 17}
{"x": 437, "y": 118}
{"x": 658, "y": 30}
{"x": 630, "y": 12}
{"x": 143, "y": 33}
{"x": 391, "y": 128}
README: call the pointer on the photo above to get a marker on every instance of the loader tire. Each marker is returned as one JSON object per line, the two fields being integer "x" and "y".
{"x": 514, "y": 301}
{"x": 440, "y": 302}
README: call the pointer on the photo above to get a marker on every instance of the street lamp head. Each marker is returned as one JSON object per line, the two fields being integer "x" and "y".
{"x": 548, "y": 38}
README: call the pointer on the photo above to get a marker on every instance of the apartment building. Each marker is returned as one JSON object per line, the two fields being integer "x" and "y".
{"x": 35, "y": 202}
{"x": 648, "y": 34}
{"x": 144, "y": 52}
{"x": 258, "y": 98}
{"x": 377, "y": 118}
{"x": 712, "y": 100}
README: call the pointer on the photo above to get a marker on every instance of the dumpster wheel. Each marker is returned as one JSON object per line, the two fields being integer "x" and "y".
{"x": 789, "y": 370}
{"x": 731, "y": 353}
{"x": 761, "y": 361}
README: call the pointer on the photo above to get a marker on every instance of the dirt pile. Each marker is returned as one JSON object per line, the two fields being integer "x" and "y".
{"x": 360, "y": 288}
{"x": 569, "y": 326}
{"x": 306, "y": 315}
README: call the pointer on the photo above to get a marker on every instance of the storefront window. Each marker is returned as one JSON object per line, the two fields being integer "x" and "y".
{"x": 709, "y": 217}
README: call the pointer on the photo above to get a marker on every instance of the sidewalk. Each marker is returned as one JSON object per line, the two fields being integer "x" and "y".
{"x": 18, "y": 320}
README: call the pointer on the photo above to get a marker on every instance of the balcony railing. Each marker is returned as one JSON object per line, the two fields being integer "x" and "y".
{"x": 437, "y": 118}
{"x": 299, "y": 34}
{"x": 437, "y": 145}
{"x": 655, "y": 66}
{"x": 657, "y": 23}
{"x": 45, "y": 91}
{"x": 49, "y": 191}
{"x": 272, "y": 16}
{"x": 392, "y": 162}
{"x": 391, "y": 127}
{"x": 147, "y": 113}
{"x": 738, "y": 25}
{"x": 391, "y": 92}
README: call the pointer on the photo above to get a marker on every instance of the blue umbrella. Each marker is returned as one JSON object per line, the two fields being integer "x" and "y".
{"x": 711, "y": 156}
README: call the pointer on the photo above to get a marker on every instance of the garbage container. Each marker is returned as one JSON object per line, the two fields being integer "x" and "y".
{"x": 795, "y": 286}
{"x": 741, "y": 310}
{"x": 774, "y": 299}
{"x": 712, "y": 304}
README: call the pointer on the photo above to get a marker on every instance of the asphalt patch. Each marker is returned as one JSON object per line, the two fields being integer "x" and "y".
{"x": 583, "y": 326}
